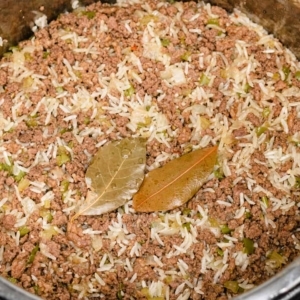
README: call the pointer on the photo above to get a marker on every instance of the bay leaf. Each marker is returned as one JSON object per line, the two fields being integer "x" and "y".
{"x": 176, "y": 182}
{"x": 116, "y": 173}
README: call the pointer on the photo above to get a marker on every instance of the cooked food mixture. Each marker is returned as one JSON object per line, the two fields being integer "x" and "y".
{"x": 184, "y": 76}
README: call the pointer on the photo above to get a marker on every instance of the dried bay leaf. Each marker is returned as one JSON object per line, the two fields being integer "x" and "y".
{"x": 176, "y": 182}
{"x": 116, "y": 172}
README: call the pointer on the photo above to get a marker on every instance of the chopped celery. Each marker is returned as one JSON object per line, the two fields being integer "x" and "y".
{"x": 147, "y": 121}
{"x": 48, "y": 233}
{"x": 14, "y": 48}
{"x": 277, "y": 259}
{"x": 145, "y": 293}
{"x": 233, "y": 286}
{"x": 7, "y": 168}
{"x": 27, "y": 56}
{"x": 187, "y": 225}
{"x": 37, "y": 290}
{"x": 276, "y": 76}
{"x": 223, "y": 74}
{"x": 63, "y": 156}
{"x": 297, "y": 183}
{"x": 213, "y": 22}
{"x": 297, "y": 75}
{"x": 266, "y": 111}
{"x": 260, "y": 130}
{"x": 46, "y": 54}
{"x": 64, "y": 185}
{"x": 147, "y": 19}
{"x": 199, "y": 216}
{"x": 78, "y": 74}
{"x": 248, "y": 215}
{"x": 265, "y": 201}
{"x": 130, "y": 91}
{"x": 19, "y": 176}
{"x": 219, "y": 173}
{"x": 205, "y": 123}
{"x": 12, "y": 280}
{"x": 31, "y": 122}
{"x": 165, "y": 42}
{"x": 119, "y": 295}
{"x": 23, "y": 230}
{"x": 89, "y": 14}
{"x": 247, "y": 88}
{"x": 225, "y": 229}
{"x": 23, "y": 184}
{"x": 220, "y": 252}
{"x": 33, "y": 254}
{"x": 7, "y": 54}
{"x": 213, "y": 222}
{"x": 27, "y": 82}
{"x": 186, "y": 211}
{"x": 47, "y": 203}
{"x": 168, "y": 279}
{"x": 86, "y": 120}
{"x": 204, "y": 80}
{"x": 46, "y": 214}
{"x": 248, "y": 246}
{"x": 286, "y": 70}
{"x": 186, "y": 56}
{"x": 59, "y": 89}
{"x": 64, "y": 130}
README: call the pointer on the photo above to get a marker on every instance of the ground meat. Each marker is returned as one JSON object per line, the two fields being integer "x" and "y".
{"x": 18, "y": 265}
{"x": 8, "y": 221}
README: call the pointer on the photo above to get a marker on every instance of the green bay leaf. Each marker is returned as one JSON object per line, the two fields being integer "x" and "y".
{"x": 116, "y": 173}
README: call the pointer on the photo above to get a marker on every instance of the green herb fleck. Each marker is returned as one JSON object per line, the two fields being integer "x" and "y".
{"x": 265, "y": 201}
{"x": 165, "y": 42}
{"x": 266, "y": 111}
{"x": 33, "y": 254}
{"x": 220, "y": 252}
{"x": 186, "y": 56}
{"x": 204, "y": 80}
{"x": 286, "y": 71}
{"x": 130, "y": 91}
{"x": 248, "y": 246}
{"x": 248, "y": 215}
{"x": 63, "y": 156}
{"x": 219, "y": 173}
{"x": 225, "y": 229}
{"x": 260, "y": 130}
{"x": 12, "y": 280}
{"x": 213, "y": 22}
{"x": 233, "y": 286}
{"x": 23, "y": 230}
{"x": 45, "y": 54}
{"x": 89, "y": 14}
{"x": 186, "y": 211}
{"x": 187, "y": 225}
{"x": 276, "y": 258}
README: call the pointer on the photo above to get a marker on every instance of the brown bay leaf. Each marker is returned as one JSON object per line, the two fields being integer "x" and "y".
{"x": 176, "y": 182}
{"x": 116, "y": 173}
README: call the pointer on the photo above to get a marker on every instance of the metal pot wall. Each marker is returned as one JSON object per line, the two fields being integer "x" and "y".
{"x": 278, "y": 16}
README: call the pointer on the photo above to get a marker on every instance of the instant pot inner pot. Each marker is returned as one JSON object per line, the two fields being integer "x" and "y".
{"x": 281, "y": 17}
